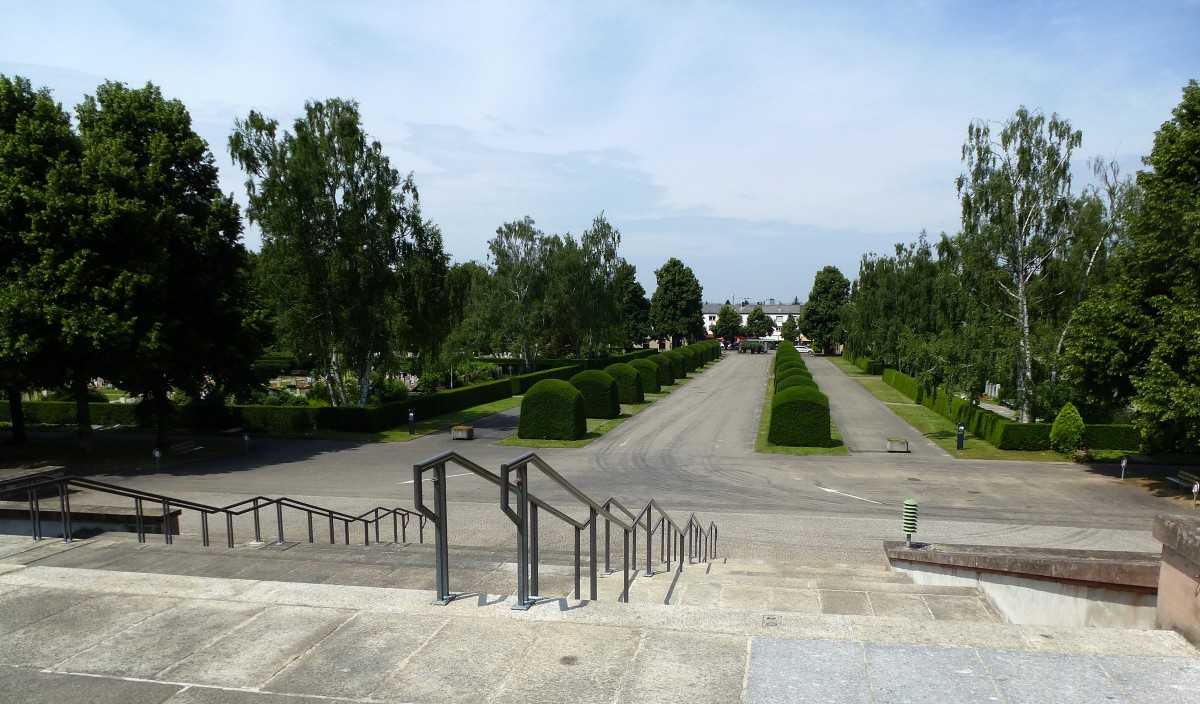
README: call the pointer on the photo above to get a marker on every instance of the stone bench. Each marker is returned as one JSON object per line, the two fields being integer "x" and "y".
{"x": 86, "y": 519}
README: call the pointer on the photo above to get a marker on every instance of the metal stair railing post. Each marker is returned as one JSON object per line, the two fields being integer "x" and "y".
{"x": 35, "y": 515}
{"x": 592, "y": 548}
{"x": 607, "y": 539}
{"x": 533, "y": 544}
{"x": 520, "y": 518}
{"x": 649, "y": 543}
{"x": 437, "y": 516}
{"x": 64, "y": 507}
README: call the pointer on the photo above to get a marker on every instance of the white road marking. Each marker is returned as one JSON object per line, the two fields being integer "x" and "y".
{"x": 449, "y": 476}
{"x": 835, "y": 491}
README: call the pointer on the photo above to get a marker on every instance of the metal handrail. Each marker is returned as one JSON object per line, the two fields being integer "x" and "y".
{"x": 525, "y": 517}
{"x": 702, "y": 542}
{"x": 400, "y": 517}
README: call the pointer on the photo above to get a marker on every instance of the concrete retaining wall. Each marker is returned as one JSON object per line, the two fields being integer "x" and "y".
{"x": 1043, "y": 587}
{"x": 1179, "y": 578}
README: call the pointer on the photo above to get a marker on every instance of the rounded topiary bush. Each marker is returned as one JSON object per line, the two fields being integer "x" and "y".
{"x": 648, "y": 371}
{"x": 691, "y": 362}
{"x": 800, "y": 418}
{"x": 792, "y": 371}
{"x": 678, "y": 368}
{"x": 666, "y": 373}
{"x": 1067, "y": 432}
{"x": 552, "y": 409}
{"x": 600, "y": 397}
{"x": 787, "y": 382}
{"x": 791, "y": 364}
{"x": 629, "y": 382}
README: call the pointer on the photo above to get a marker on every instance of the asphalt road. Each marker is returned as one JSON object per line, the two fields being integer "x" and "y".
{"x": 694, "y": 450}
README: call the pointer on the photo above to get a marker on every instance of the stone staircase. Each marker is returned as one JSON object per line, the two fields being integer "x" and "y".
{"x": 283, "y": 623}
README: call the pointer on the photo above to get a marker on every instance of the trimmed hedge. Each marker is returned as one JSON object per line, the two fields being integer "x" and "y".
{"x": 789, "y": 381}
{"x": 678, "y": 368}
{"x": 600, "y": 396}
{"x": 629, "y": 383}
{"x": 791, "y": 364}
{"x": 552, "y": 410}
{"x": 277, "y": 419}
{"x": 1112, "y": 437}
{"x": 1006, "y": 433}
{"x": 63, "y": 413}
{"x": 522, "y": 383}
{"x": 800, "y": 418}
{"x": 903, "y": 383}
{"x": 648, "y": 371}
{"x": 691, "y": 361}
{"x": 666, "y": 374}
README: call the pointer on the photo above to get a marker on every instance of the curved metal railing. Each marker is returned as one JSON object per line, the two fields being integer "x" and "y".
{"x": 692, "y": 536}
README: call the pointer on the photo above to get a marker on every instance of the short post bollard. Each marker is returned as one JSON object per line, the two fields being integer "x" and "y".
{"x": 1195, "y": 491}
{"x": 910, "y": 519}
{"x": 157, "y": 454}
{"x": 962, "y": 435}
{"x": 246, "y": 440}
{"x": 412, "y": 423}
{"x": 1124, "y": 464}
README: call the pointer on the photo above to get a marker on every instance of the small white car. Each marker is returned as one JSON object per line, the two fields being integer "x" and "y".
{"x": 804, "y": 348}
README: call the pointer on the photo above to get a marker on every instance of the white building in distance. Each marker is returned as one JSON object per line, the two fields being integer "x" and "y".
{"x": 776, "y": 311}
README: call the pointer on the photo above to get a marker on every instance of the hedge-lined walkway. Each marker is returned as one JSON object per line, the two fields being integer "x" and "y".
{"x": 864, "y": 423}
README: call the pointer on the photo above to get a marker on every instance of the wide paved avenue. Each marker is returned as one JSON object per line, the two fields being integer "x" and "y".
{"x": 693, "y": 451}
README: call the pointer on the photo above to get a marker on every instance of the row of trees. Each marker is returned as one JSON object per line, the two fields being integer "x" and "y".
{"x": 546, "y": 295}
{"x": 1088, "y": 297}
{"x": 123, "y": 260}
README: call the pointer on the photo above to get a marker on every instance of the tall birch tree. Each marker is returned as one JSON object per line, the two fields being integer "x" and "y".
{"x": 1016, "y": 209}
{"x": 339, "y": 226}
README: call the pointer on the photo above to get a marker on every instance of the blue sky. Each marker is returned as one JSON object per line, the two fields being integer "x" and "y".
{"x": 755, "y": 141}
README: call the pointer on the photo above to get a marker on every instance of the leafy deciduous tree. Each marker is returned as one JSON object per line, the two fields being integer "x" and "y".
{"x": 355, "y": 273}
{"x": 675, "y": 308}
{"x": 822, "y": 312}
{"x": 1016, "y": 206}
{"x": 729, "y": 324}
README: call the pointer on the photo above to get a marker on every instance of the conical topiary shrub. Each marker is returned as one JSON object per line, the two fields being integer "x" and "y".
{"x": 1067, "y": 432}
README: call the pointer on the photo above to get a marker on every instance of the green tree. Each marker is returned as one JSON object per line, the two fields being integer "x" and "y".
{"x": 1016, "y": 208}
{"x": 1147, "y": 318}
{"x": 822, "y": 312}
{"x": 729, "y": 324}
{"x": 632, "y": 305}
{"x": 152, "y": 186}
{"x": 758, "y": 324}
{"x": 790, "y": 330}
{"x": 39, "y": 155}
{"x": 355, "y": 273}
{"x": 520, "y": 278}
{"x": 675, "y": 308}
{"x": 601, "y": 265}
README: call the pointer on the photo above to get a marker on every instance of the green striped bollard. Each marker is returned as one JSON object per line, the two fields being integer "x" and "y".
{"x": 910, "y": 519}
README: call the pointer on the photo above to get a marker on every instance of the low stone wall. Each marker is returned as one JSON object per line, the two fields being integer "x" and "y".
{"x": 1038, "y": 586}
{"x": 1179, "y": 578}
